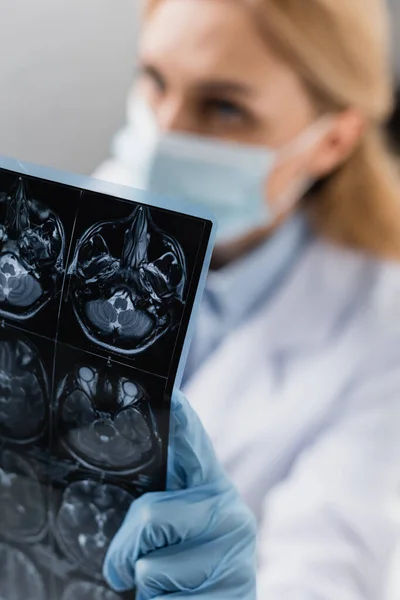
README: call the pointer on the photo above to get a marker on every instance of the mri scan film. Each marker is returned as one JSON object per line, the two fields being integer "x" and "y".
{"x": 89, "y": 591}
{"x": 24, "y": 395}
{"x": 89, "y": 516}
{"x": 19, "y": 577}
{"x": 96, "y": 295}
{"x": 126, "y": 299}
{"x": 23, "y": 498}
{"x": 32, "y": 248}
{"x": 105, "y": 420}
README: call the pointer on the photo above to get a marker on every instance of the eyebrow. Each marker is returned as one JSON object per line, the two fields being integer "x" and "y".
{"x": 213, "y": 86}
{"x": 224, "y": 87}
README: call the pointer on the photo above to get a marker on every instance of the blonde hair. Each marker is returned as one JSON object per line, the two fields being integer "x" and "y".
{"x": 340, "y": 48}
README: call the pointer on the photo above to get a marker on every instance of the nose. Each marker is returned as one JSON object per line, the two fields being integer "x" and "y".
{"x": 172, "y": 115}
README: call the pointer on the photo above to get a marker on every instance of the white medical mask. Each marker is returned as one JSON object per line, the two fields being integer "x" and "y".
{"x": 230, "y": 179}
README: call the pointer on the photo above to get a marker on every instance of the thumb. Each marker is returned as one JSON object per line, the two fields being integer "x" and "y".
{"x": 191, "y": 457}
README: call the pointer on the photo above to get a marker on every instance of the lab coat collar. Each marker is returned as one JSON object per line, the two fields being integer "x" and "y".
{"x": 238, "y": 288}
{"x": 312, "y": 304}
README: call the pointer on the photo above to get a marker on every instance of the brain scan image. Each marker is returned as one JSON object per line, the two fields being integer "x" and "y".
{"x": 23, "y": 389}
{"x": 23, "y": 505}
{"x": 31, "y": 254}
{"x": 89, "y": 516}
{"x": 105, "y": 421}
{"x": 89, "y": 591}
{"x": 128, "y": 281}
{"x": 19, "y": 578}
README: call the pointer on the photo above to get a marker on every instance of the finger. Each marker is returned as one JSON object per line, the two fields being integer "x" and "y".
{"x": 182, "y": 567}
{"x": 191, "y": 457}
{"x": 195, "y": 570}
{"x": 156, "y": 521}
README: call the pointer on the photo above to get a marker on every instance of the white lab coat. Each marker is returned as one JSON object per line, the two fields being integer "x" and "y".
{"x": 303, "y": 406}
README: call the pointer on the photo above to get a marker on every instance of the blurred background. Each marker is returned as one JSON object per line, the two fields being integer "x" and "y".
{"x": 66, "y": 66}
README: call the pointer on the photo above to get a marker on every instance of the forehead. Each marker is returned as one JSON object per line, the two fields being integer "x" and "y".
{"x": 206, "y": 37}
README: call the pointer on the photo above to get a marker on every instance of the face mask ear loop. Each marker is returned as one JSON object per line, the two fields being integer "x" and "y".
{"x": 287, "y": 201}
{"x": 305, "y": 140}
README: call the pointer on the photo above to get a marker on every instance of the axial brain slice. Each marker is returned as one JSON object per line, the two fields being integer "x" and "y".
{"x": 23, "y": 398}
{"x": 19, "y": 578}
{"x": 89, "y": 516}
{"x": 105, "y": 420}
{"x": 127, "y": 294}
{"x": 31, "y": 254}
{"x": 89, "y": 591}
{"x": 22, "y": 499}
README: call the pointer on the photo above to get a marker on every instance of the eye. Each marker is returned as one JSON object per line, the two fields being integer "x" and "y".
{"x": 225, "y": 110}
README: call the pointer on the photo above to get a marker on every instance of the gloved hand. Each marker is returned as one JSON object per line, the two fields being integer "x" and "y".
{"x": 196, "y": 540}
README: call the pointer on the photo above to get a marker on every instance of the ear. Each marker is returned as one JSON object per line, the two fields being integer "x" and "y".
{"x": 337, "y": 145}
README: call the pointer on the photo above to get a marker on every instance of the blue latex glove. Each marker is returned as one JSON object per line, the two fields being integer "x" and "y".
{"x": 196, "y": 540}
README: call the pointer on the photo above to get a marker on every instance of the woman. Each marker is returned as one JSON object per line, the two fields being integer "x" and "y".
{"x": 393, "y": 125}
{"x": 272, "y": 113}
